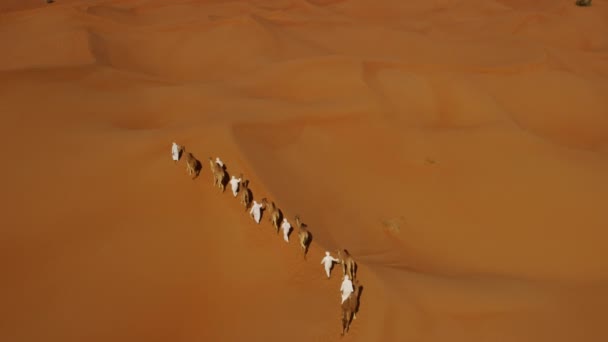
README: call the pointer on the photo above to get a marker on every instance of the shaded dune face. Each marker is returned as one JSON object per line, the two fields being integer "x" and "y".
{"x": 456, "y": 150}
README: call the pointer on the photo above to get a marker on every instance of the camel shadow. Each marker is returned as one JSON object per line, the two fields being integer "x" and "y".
{"x": 225, "y": 180}
{"x": 308, "y": 242}
{"x": 359, "y": 298}
{"x": 279, "y": 220}
{"x": 583, "y": 3}
{"x": 198, "y": 166}
{"x": 251, "y": 198}
{"x": 331, "y": 268}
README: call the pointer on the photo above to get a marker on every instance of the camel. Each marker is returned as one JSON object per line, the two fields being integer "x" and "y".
{"x": 350, "y": 307}
{"x": 303, "y": 235}
{"x": 264, "y": 203}
{"x": 275, "y": 216}
{"x": 219, "y": 174}
{"x": 583, "y": 3}
{"x": 349, "y": 266}
{"x": 193, "y": 166}
{"x": 245, "y": 194}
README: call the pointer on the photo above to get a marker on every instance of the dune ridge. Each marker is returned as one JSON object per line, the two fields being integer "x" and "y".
{"x": 456, "y": 149}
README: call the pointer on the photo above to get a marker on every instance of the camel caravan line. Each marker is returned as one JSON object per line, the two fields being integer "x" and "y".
{"x": 350, "y": 288}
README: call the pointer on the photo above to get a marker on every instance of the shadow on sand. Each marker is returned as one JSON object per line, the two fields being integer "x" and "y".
{"x": 198, "y": 166}
{"x": 359, "y": 292}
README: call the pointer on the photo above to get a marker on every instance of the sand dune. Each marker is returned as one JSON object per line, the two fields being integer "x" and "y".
{"x": 457, "y": 149}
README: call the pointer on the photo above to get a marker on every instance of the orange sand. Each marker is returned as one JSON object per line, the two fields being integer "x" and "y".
{"x": 458, "y": 149}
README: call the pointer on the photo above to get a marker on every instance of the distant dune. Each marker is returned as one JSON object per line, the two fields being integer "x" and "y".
{"x": 458, "y": 150}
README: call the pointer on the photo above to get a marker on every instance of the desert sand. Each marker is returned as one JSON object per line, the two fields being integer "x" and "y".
{"x": 457, "y": 149}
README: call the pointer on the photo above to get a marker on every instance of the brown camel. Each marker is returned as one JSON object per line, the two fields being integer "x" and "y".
{"x": 193, "y": 165}
{"x": 349, "y": 266}
{"x": 264, "y": 203}
{"x": 245, "y": 194}
{"x": 350, "y": 307}
{"x": 303, "y": 235}
{"x": 219, "y": 174}
{"x": 275, "y": 216}
{"x": 583, "y": 3}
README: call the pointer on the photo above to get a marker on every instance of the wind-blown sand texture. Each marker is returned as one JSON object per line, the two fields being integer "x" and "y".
{"x": 457, "y": 149}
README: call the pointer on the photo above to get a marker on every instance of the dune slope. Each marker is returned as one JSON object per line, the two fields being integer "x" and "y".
{"x": 458, "y": 150}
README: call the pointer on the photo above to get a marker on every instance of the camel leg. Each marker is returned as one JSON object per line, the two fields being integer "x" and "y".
{"x": 346, "y": 324}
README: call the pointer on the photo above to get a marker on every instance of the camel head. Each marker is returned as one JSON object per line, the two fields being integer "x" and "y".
{"x": 298, "y": 222}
